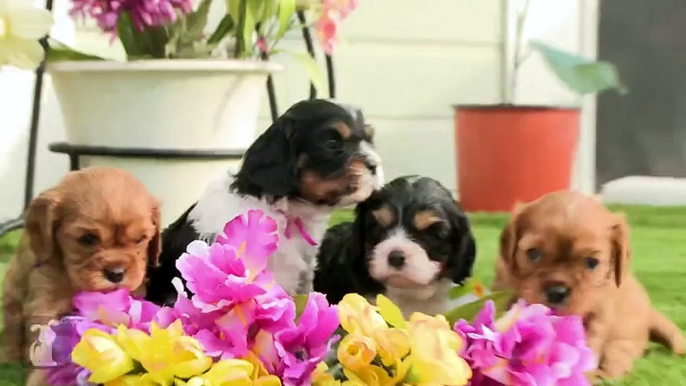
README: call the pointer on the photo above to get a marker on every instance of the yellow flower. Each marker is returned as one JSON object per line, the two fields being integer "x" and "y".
{"x": 370, "y": 376}
{"x": 356, "y": 351}
{"x": 390, "y": 312}
{"x": 133, "y": 380}
{"x": 434, "y": 354}
{"x": 233, "y": 372}
{"x": 357, "y": 316}
{"x": 165, "y": 353}
{"x": 99, "y": 352}
{"x": 21, "y": 25}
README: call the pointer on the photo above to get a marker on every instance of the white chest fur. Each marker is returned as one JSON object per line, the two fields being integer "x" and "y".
{"x": 293, "y": 262}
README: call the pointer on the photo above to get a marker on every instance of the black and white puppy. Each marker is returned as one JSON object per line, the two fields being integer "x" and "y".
{"x": 316, "y": 157}
{"x": 409, "y": 241}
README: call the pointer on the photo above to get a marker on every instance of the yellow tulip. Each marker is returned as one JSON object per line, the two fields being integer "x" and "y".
{"x": 21, "y": 25}
{"x": 356, "y": 351}
{"x": 370, "y": 376}
{"x": 392, "y": 345}
{"x": 434, "y": 354}
{"x": 165, "y": 353}
{"x": 390, "y": 312}
{"x": 357, "y": 316}
{"x": 99, "y": 352}
{"x": 133, "y": 380}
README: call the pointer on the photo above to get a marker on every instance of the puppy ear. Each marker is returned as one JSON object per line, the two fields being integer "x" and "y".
{"x": 270, "y": 163}
{"x": 621, "y": 250}
{"x": 509, "y": 237}
{"x": 41, "y": 222}
{"x": 155, "y": 244}
{"x": 461, "y": 261}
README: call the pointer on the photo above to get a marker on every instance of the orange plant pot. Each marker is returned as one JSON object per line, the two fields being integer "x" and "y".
{"x": 509, "y": 153}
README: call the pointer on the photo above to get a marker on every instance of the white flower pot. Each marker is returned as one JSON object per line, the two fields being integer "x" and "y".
{"x": 163, "y": 104}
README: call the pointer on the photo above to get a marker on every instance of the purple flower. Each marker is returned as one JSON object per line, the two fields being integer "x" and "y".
{"x": 144, "y": 13}
{"x": 293, "y": 353}
{"x": 527, "y": 346}
{"x": 53, "y": 348}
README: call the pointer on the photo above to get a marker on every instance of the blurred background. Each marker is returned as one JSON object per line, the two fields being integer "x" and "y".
{"x": 405, "y": 63}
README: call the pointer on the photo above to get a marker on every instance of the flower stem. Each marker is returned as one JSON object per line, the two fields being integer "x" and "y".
{"x": 240, "y": 41}
{"x": 518, "y": 59}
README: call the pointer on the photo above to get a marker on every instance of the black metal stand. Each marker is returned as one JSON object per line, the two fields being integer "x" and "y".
{"x": 75, "y": 152}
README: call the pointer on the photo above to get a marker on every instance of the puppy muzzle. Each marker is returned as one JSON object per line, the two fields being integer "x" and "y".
{"x": 556, "y": 294}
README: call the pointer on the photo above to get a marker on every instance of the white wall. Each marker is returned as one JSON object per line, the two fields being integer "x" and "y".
{"x": 403, "y": 64}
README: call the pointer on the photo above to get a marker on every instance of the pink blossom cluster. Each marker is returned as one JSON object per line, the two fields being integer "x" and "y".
{"x": 236, "y": 309}
{"x": 143, "y": 13}
{"x": 334, "y": 12}
{"x": 527, "y": 346}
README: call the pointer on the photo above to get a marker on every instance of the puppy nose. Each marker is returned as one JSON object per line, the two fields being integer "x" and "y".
{"x": 115, "y": 275}
{"x": 396, "y": 259}
{"x": 557, "y": 293}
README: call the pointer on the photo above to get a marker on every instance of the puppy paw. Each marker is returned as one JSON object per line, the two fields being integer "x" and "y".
{"x": 679, "y": 344}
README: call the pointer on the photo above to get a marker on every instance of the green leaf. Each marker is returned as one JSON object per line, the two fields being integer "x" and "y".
{"x": 468, "y": 287}
{"x": 286, "y": 11}
{"x": 470, "y": 310}
{"x": 258, "y": 10}
{"x": 60, "y": 51}
{"x": 196, "y": 21}
{"x": 581, "y": 75}
{"x": 247, "y": 32}
{"x": 225, "y": 26}
{"x": 129, "y": 37}
{"x": 311, "y": 67}
{"x": 300, "y": 303}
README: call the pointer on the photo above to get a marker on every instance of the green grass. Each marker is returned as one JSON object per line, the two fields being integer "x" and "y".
{"x": 659, "y": 261}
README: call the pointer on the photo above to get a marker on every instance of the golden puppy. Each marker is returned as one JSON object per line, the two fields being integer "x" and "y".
{"x": 97, "y": 230}
{"x": 567, "y": 251}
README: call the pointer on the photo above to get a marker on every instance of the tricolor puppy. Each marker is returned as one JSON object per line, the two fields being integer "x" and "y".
{"x": 316, "y": 157}
{"x": 569, "y": 252}
{"x": 409, "y": 241}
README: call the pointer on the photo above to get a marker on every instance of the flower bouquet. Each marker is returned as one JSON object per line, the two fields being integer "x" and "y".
{"x": 238, "y": 327}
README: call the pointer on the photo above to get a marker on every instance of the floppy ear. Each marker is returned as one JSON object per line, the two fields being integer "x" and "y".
{"x": 155, "y": 244}
{"x": 509, "y": 237}
{"x": 463, "y": 255}
{"x": 41, "y": 222}
{"x": 621, "y": 250}
{"x": 270, "y": 166}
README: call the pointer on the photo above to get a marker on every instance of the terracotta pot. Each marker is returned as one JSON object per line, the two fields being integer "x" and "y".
{"x": 508, "y": 153}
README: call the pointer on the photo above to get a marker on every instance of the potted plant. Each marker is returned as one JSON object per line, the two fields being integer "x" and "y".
{"x": 507, "y": 152}
{"x": 184, "y": 104}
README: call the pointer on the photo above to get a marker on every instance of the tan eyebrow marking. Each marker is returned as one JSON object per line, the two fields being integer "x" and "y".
{"x": 425, "y": 219}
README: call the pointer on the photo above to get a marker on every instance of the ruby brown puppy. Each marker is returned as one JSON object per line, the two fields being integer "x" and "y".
{"x": 96, "y": 230}
{"x": 569, "y": 252}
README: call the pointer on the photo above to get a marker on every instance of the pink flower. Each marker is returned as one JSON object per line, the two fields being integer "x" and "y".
{"x": 293, "y": 353}
{"x": 334, "y": 12}
{"x": 254, "y": 237}
{"x": 218, "y": 278}
{"x": 118, "y": 307}
{"x": 233, "y": 296}
{"x": 144, "y": 13}
{"x": 527, "y": 346}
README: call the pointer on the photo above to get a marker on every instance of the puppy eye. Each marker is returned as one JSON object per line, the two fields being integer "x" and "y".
{"x": 331, "y": 144}
{"x": 141, "y": 239}
{"x": 534, "y": 254}
{"x": 88, "y": 240}
{"x": 591, "y": 262}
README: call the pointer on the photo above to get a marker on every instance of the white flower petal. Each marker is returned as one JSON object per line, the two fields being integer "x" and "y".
{"x": 29, "y": 22}
{"x": 21, "y": 53}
